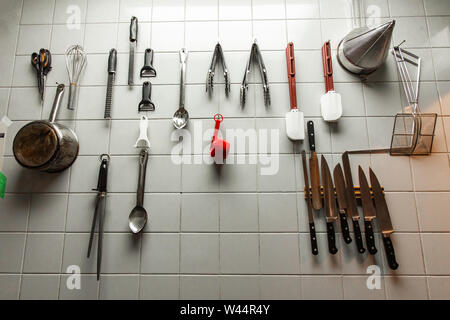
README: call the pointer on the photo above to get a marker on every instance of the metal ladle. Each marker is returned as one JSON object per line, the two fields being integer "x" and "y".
{"x": 138, "y": 216}
{"x": 181, "y": 116}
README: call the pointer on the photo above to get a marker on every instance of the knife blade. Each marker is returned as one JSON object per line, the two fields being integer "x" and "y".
{"x": 314, "y": 168}
{"x": 112, "y": 67}
{"x": 312, "y": 227}
{"x": 342, "y": 202}
{"x": 351, "y": 202}
{"x": 330, "y": 205}
{"x": 384, "y": 220}
{"x": 368, "y": 211}
{"x": 133, "y": 44}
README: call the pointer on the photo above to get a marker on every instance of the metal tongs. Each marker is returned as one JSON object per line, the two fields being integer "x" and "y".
{"x": 99, "y": 213}
{"x": 255, "y": 57}
{"x": 217, "y": 56}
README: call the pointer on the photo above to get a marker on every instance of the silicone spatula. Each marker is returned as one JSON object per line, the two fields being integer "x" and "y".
{"x": 330, "y": 102}
{"x": 295, "y": 126}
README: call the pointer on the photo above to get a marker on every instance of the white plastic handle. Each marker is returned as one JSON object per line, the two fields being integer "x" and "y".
{"x": 143, "y": 141}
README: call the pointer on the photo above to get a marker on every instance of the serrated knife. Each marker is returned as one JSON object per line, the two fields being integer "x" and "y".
{"x": 312, "y": 227}
{"x": 342, "y": 202}
{"x": 314, "y": 168}
{"x": 384, "y": 220}
{"x": 112, "y": 67}
{"x": 330, "y": 205}
{"x": 133, "y": 45}
{"x": 368, "y": 211}
{"x": 351, "y": 202}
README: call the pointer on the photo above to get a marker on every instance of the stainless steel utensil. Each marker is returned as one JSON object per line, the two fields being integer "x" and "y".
{"x": 314, "y": 168}
{"x": 133, "y": 44}
{"x": 342, "y": 202}
{"x": 112, "y": 67}
{"x": 368, "y": 211}
{"x": 75, "y": 62}
{"x": 217, "y": 56}
{"x": 181, "y": 116}
{"x": 138, "y": 216}
{"x": 330, "y": 205}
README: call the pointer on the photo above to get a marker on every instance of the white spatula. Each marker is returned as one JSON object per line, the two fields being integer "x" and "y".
{"x": 295, "y": 126}
{"x": 330, "y": 102}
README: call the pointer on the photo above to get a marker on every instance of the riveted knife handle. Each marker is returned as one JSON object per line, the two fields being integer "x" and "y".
{"x": 312, "y": 233}
{"x": 345, "y": 228}
{"x": 311, "y": 136}
{"x": 358, "y": 237}
{"x": 331, "y": 238}
{"x": 370, "y": 237}
{"x": 390, "y": 253}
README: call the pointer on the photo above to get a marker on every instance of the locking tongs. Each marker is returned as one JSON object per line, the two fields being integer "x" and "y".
{"x": 217, "y": 56}
{"x": 255, "y": 57}
{"x": 99, "y": 213}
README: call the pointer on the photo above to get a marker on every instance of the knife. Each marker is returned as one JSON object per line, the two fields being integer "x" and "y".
{"x": 384, "y": 220}
{"x": 133, "y": 44}
{"x": 312, "y": 227}
{"x": 314, "y": 168}
{"x": 342, "y": 202}
{"x": 330, "y": 205}
{"x": 112, "y": 67}
{"x": 368, "y": 211}
{"x": 351, "y": 202}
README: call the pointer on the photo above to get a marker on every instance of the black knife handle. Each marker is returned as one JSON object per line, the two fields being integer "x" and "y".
{"x": 358, "y": 237}
{"x": 331, "y": 238}
{"x": 133, "y": 29}
{"x": 345, "y": 228}
{"x": 370, "y": 237}
{"x": 311, "y": 136}
{"x": 312, "y": 233}
{"x": 390, "y": 253}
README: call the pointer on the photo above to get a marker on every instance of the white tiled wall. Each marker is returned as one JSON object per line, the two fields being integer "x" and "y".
{"x": 240, "y": 235}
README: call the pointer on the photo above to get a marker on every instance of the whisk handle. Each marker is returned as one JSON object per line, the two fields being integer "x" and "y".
{"x": 73, "y": 91}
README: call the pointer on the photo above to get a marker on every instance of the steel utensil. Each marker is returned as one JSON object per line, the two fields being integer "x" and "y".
{"x": 112, "y": 67}
{"x": 295, "y": 125}
{"x": 312, "y": 227}
{"x": 384, "y": 220}
{"x": 142, "y": 141}
{"x": 76, "y": 60}
{"x": 99, "y": 212}
{"x": 148, "y": 70}
{"x": 330, "y": 205}
{"x": 146, "y": 103}
{"x": 181, "y": 116}
{"x": 314, "y": 168}
{"x": 138, "y": 216}
{"x": 42, "y": 62}
{"x": 342, "y": 202}
{"x": 330, "y": 102}
{"x": 133, "y": 45}
{"x": 368, "y": 211}
{"x": 217, "y": 56}
{"x": 351, "y": 202}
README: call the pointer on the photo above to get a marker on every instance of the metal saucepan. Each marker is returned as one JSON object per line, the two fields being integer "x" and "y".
{"x": 46, "y": 145}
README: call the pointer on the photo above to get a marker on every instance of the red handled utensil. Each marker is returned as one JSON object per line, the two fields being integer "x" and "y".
{"x": 219, "y": 147}
{"x": 330, "y": 102}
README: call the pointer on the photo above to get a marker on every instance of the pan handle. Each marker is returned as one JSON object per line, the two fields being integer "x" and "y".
{"x": 56, "y": 102}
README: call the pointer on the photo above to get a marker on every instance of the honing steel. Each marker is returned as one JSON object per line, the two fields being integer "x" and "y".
{"x": 368, "y": 211}
{"x": 312, "y": 227}
{"x": 42, "y": 62}
{"x": 99, "y": 213}
{"x": 295, "y": 124}
{"x": 314, "y": 168}
{"x": 133, "y": 44}
{"x": 330, "y": 102}
{"x": 330, "y": 205}
{"x": 384, "y": 220}
{"x": 75, "y": 62}
{"x": 138, "y": 216}
{"x": 342, "y": 202}
{"x": 148, "y": 71}
{"x": 351, "y": 202}
{"x": 181, "y": 116}
{"x": 112, "y": 67}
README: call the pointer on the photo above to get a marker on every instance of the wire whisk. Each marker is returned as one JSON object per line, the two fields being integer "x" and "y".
{"x": 75, "y": 62}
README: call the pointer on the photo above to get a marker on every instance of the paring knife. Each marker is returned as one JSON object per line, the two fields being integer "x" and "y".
{"x": 368, "y": 211}
{"x": 330, "y": 205}
{"x": 314, "y": 168}
{"x": 342, "y": 202}
{"x": 312, "y": 227}
{"x": 384, "y": 220}
{"x": 351, "y": 202}
{"x": 112, "y": 67}
{"x": 133, "y": 44}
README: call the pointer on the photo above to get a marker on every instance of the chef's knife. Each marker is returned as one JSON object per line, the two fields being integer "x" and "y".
{"x": 330, "y": 205}
{"x": 351, "y": 202}
{"x": 133, "y": 44}
{"x": 314, "y": 168}
{"x": 384, "y": 220}
{"x": 312, "y": 227}
{"x": 112, "y": 67}
{"x": 368, "y": 211}
{"x": 342, "y": 202}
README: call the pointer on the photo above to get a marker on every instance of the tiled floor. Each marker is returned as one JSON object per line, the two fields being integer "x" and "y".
{"x": 233, "y": 234}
